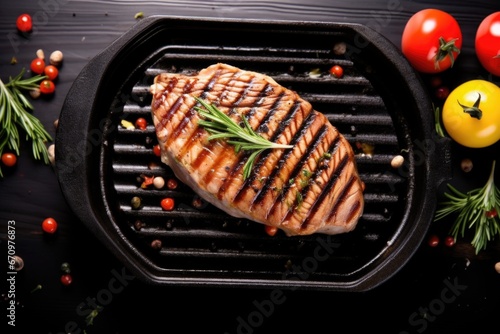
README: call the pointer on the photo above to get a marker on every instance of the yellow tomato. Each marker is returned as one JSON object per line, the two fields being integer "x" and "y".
{"x": 471, "y": 114}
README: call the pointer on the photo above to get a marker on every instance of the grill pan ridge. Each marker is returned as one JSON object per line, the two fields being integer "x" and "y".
{"x": 380, "y": 103}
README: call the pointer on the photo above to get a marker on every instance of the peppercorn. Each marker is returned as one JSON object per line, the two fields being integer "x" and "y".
{"x": 158, "y": 182}
{"x": 397, "y": 161}
{"x": 18, "y": 263}
{"x": 138, "y": 225}
{"x": 466, "y": 165}
{"x": 56, "y": 58}
{"x": 156, "y": 244}
{"x": 136, "y": 202}
{"x": 65, "y": 268}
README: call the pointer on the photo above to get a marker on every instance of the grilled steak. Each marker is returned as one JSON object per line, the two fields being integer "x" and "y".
{"x": 312, "y": 187}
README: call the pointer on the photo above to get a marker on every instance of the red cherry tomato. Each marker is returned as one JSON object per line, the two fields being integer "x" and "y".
{"x": 24, "y": 23}
{"x": 431, "y": 40}
{"x": 47, "y": 87}
{"x": 37, "y": 66}
{"x": 51, "y": 72}
{"x": 167, "y": 204}
{"x": 141, "y": 123}
{"x": 337, "y": 71}
{"x": 66, "y": 279}
{"x": 9, "y": 159}
{"x": 49, "y": 225}
{"x": 487, "y": 41}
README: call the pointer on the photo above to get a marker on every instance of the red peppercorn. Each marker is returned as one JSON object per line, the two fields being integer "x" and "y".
{"x": 271, "y": 230}
{"x": 449, "y": 241}
{"x": 442, "y": 92}
{"x": 141, "y": 123}
{"x": 491, "y": 214}
{"x": 337, "y": 71}
{"x": 167, "y": 204}
{"x": 49, "y": 225}
{"x": 433, "y": 240}
{"x": 172, "y": 183}
{"x": 66, "y": 279}
{"x": 156, "y": 150}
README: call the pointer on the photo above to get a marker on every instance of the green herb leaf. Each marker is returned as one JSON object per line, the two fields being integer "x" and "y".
{"x": 242, "y": 137}
{"x": 477, "y": 209}
{"x": 15, "y": 115}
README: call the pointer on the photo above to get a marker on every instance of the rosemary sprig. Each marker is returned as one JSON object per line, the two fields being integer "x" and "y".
{"x": 476, "y": 209}
{"x": 242, "y": 137}
{"x": 15, "y": 115}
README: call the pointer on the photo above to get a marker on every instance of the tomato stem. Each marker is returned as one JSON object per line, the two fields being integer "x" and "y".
{"x": 446, "y": 49}
{"x": 473, "y": 111}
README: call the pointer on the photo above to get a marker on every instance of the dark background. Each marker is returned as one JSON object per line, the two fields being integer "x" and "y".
{"x": 440, "y": 290}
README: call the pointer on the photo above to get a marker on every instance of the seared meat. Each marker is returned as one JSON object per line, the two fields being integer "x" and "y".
{"x": 312, "y": 187}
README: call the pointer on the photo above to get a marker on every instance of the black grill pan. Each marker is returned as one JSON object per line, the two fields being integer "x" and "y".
{"x": 379, "y": 105}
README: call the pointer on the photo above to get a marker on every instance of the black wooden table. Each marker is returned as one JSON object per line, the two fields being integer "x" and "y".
{"x": 441, "y": 289}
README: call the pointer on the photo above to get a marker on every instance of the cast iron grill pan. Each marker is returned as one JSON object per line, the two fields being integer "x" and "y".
{"x": 379, "y": 106}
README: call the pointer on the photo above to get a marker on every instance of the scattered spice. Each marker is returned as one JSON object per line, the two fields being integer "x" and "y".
{"x": 138, "y": 225}
{"x": 52, "y": 154}
{"x": 197, "y": 203}
{"x": 167, "y": 204}
{"x": 172, "y": 183}
{"x": 157, "y": 150}
{"x": 40, "y": 54}
{"x": 466, "y": 165}
{"x": 49, "y": 225}
{"x": 366, "y": 149}
{"x": 18, "y": 263}
{"x": 433, "y": 240}
{"x": 158, "y": 182}
{"x": 65, "y": 268}
{"x": 66, "y": 279}
{"x": 35, "y": 93}
{"x": 89, "y": 320}
{"x": 156, "y": 244}
{"x": 127, "y": 125}
{"x": 147, "y": 181}
{"x": 315, "y": 73}
{"x": 38, "y": 287}
{"x": 136, "y": 202}
{"x": 449, "y": 241}
{"x": 397, "y": 161}
{"x": 340, "y": 48}
{"x": 56, "y": 58}
{"x": 141, "y": 123}
{"x": 271, "y": 230}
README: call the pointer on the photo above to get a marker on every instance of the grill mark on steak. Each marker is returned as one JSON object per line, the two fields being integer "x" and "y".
{"x": 332, "y": 180}
{"x": 341, "y": 200}
{"x": 287, "y": 120}
{"x": 274, "y": 177}
{"x": 199, "y": 131}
